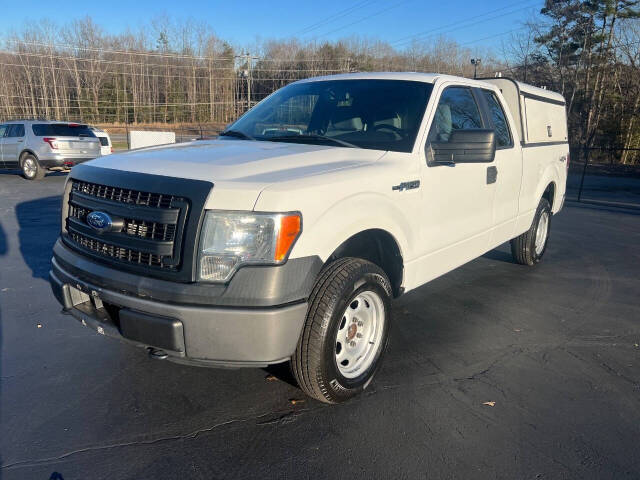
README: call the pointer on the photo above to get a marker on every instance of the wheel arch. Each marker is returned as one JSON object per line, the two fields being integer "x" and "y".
{"x": 26, "y": 151}
{"x": 547, "y": 187}
{"x": 379, "y": 247}
{"x": 550, "y": 193}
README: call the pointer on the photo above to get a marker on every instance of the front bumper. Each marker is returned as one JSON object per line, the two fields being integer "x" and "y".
{"x": 194, "y": 332}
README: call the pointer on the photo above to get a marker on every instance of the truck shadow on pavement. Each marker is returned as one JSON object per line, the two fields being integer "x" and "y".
{"x": 39, "y": 222}
{"x": 282, "y": 372}
{"x": 499, "y": 255}
{"x": 4, "y": 247}
{"x": 18, "y": 173}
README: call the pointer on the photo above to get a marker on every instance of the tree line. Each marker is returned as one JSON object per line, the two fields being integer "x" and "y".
{"x": 590, "y": 52}
{"x": 181, "y": 72}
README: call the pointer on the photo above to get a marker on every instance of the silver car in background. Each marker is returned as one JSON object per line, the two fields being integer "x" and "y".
{"x": 35, "y": 146}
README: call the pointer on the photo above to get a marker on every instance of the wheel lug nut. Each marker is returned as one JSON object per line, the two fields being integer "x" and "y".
{"x": 353, "y": 344}
{"x": 359, "y": 335}
{"x": 359, "y": 324}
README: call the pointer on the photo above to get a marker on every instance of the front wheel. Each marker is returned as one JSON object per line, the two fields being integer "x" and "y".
{"x": 345, "y": 332}
{"x": 528, "y": 248}
{"x": 31, "y": 169}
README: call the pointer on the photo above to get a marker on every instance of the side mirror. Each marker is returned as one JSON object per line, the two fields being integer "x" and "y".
{"x": 464, "y": 146}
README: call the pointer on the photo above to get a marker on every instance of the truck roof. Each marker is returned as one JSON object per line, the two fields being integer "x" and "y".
{"x": 414, "y": 76}
{"x": 531, "y": 90}
{"x": 432, "y": 77}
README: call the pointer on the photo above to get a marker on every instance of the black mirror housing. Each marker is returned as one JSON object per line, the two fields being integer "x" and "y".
{"x": 464, "y": 146}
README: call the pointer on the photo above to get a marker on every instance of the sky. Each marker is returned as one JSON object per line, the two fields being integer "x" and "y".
{"x": 474, "y": 24}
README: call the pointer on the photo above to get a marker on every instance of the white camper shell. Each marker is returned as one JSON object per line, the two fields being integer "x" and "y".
{"x": 541, "y": 113}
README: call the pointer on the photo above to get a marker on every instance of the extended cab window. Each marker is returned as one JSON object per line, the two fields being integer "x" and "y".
{"x": 3, "y": 129}
{"x": 457, "y": 110}
{"x": 503, "y": 135}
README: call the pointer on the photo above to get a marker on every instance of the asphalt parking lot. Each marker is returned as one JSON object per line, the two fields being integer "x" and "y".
{"x": 556, "y": 347}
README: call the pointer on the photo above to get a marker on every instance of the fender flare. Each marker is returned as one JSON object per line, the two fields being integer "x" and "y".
{"x": 550, "y": 176}
{"x": 358, "y": 213}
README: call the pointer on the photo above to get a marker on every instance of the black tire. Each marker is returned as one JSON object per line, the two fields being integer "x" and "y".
{"x": 35, "y": 172}
{"x": 314, "y": 363}
{"x": 523, "y": 247}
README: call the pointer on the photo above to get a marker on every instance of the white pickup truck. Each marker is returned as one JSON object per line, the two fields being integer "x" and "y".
{"x": 287, "y": 238}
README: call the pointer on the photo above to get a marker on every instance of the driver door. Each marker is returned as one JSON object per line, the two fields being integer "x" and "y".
{"x": 457, "y": 196}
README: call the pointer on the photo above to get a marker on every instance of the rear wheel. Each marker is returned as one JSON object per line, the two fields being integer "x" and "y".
{"x": 528, "y": 248}
{"x": 31, "y": 169}
{"x": 346, "y": 331}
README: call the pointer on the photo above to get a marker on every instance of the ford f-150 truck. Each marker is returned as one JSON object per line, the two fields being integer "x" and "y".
{"x": 287, "y": 238}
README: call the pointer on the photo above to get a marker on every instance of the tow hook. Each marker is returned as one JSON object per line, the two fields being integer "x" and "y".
{"x": 157, "y": 353}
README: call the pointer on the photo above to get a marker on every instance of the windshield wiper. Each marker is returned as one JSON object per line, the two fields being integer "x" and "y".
{"x": 236, "y": 134}
{"x": 306, "y": 138}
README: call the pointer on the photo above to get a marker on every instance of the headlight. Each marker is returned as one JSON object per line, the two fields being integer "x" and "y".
{"x": 232, "y": 239}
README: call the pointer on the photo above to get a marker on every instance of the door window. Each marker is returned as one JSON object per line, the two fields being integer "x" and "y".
{"x": 16, "y": 130}
{"x": 457, "y": 110}
{"x": 3, "y": 130}
{"x": 503, "y": 135}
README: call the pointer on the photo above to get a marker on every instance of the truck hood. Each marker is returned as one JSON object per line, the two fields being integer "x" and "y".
{"x": 239, "y": 169}
{"x": 238, "y": 161}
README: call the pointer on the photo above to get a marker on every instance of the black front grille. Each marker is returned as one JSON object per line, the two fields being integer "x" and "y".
{"x": 153, "y": 230}
{"x": 150, "y": 225}
{"x": 137, "y": 228}
{"x": 118, "y": 253}
{"x": 123, "y": 195}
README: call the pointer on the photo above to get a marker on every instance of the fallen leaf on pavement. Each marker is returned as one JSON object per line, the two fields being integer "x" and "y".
{"x": 270, "y": 378}
{"x": 295, "y": 401}
{"x": 489, "y": 404}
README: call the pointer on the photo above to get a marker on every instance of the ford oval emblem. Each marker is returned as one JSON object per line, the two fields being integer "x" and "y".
{"x": 99, "y": 221}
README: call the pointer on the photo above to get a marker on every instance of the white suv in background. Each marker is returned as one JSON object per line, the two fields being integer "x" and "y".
{"x": 106, "y": 148}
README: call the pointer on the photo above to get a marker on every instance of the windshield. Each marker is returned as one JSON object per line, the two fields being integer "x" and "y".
{"x": 374, "y": 114}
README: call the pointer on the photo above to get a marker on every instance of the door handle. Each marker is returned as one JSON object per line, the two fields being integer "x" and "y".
{"x": 20, "y": 141}
{"x": 492, "y": 174}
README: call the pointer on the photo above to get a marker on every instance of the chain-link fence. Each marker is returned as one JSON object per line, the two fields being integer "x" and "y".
{"x": 596, "y": 175}
{"x": 604, "y": 175}
{"x": 119, "y": 134}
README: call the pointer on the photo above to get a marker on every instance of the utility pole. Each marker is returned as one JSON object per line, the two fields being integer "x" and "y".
{"x": 475, "y": 62}
{"x": 248, "y": 60}
{"x": 248, "y": 81}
